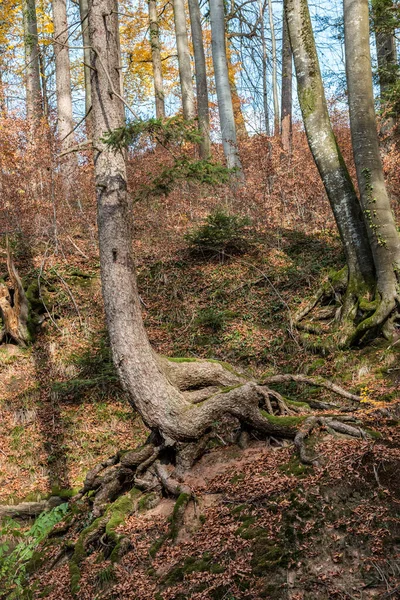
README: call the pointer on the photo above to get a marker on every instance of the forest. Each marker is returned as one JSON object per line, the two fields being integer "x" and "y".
{"x": 199, "y": 300}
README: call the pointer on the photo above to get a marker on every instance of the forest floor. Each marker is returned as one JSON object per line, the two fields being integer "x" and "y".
{"x": 263, "y": 525}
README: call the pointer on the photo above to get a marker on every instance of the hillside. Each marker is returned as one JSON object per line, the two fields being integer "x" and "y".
{"x": 262, "y": 525}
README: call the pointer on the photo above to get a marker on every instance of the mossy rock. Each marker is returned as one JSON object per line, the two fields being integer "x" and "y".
{"x": 204, "y": 564}
{"x": 267, "y": 555}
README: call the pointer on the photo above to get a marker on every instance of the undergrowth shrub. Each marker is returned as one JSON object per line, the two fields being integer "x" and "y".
{"x": 222, "y": 233}
{"x": 15, "y": 564}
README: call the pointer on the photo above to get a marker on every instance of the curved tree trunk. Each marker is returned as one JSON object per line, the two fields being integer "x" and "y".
{"x": 381, "y": 227}
{"x": 323, "y": 145}
{"x": 34, "y": 108}
{"x": 225, "y": 106}
{"x": 14, "y": 307}
{"x": 83, "y": 12}
{"x": 185, "y": 69}
{"x": 156, "y": 60}
{"x": 201, "y": 77}
{"x": 286, "y": 88}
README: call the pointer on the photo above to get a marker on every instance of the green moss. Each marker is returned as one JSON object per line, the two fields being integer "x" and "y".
{"x": 295, "y": 467}
{"x": 266, "y": 555}
{"x": 177, "y": 514}
{"x": 147, "y": 501}
{"x": 105, "y": 577}
{"x": 155, "y": 547}
{"x": 191, "y": 565}
{"x": 283, "y": 421}
{"x": 376, "y": 435}
{"x": 180, "y": 359}
{"x": 296, "y": 403}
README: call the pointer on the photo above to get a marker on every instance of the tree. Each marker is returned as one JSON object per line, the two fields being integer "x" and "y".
{"x": 181, "y": 401}
{"x": 201, "y": 77}
{"x": 274, "y": 69}
{"x": 366, "y": 288}
{"x": 286, "y": 88}
{"x": 384, "y": 26}
{"x": 185, "y": 69}
{"x": 83, "y": 12}
{"x": 156, "y": 60}
{"x": 381, "y": 227}
{"x": 65, "y": 120}
{"x": 225, "y": 106}
{"x": 34, "y": 109}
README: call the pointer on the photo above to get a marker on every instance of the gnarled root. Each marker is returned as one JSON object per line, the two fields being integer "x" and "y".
{"x": 343, "y": 308}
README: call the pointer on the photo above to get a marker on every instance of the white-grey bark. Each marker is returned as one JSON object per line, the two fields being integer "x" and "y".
{"x": 381, "y": 227}
{"x": 323, "y": 145}
{"x": 34, "y": 109}
{"x": 83, "y": 11}
{"x": 63, "y": 75}
{"x": 274, "y": 69}
{"x": 261, "y": 9}
{"x": 286, "y": 88}
{"x": 224, "y": 96}
{"x": 201, "y": 76}
{"x": 156, "y": 60}
{"x": 185, "y": 69}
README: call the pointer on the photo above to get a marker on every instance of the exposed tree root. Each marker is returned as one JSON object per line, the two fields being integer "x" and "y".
{"x": 14, "y": 307}
{"x": 349, "y": 311}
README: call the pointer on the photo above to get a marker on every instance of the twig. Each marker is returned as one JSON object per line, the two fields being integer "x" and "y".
{"x": 76, "y": 148}
{"x": 76, "y": 248}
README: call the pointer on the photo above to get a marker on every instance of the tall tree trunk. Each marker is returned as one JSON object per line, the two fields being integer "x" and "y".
{"x": 274, "y": 69}
{"x": 34, "y": 109}
{"x": 261, "y": 12}
{"x": 241, "y": 130}
{"x": 201, "y": 77}
{"x": 323, "y": 145}
{"x": 224, "y": 96}
{"x": 185, "y": 69}
{"x": 387, "y": 56}
{"x": 63, "y": 76}
{"x": 43, "y": 81}
{"x": 156, "y": 60}
{"x": 381, "y": 227}
{"x": 286, "y": 88}
{"x": 83, "y": 11}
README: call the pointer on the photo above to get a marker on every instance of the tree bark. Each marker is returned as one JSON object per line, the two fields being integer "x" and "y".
{"x": 261, "y": 9}
{"x": 63, "y": 93}
{"x": 14, "y": 307}
{"x": 381, "y": 227}
{"x": 34, "y": 109}
{"x": 201, "y": 77}
{"x": 286, "y": 88}
{"x": 274, "y": 69}
{"x": 224, "y": 96}
{"x": 156, "y": 60}
{"x": 387, "y": 57}
{"x": 323, "y": 145}
{"x": 83, "y": 11}
{"x": 185, "y": 69}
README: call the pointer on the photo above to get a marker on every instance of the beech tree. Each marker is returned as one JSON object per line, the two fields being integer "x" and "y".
{"x": 156, "y": 60}
{"x": 366, "y": 288}
{"x": 286, "y": 88}
{"x": 185, "y": 69}
{"x": 182, "y": 401}
{"x": 34, "y": 108}
{"x": 65, "y": 121}
{"x": 225, "y": 106}
{"x": 201, "y": 77}
{"x": 83, "y": 12}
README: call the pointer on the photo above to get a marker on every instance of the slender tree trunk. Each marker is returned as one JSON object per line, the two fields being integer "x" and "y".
{"x": 185, "y": 69}
{"x": 34, "y": 109}
{"x": 381, "y": 227}
{"x": 63, "y": 74}
{"x": 83, "y": 11}
{"x": 201, "y": 77}
{"x": 286, "y": 89}
{"x": 261, "y": 8}
{"x": 241, "y": 130}
{"x": 225, "y": 106}
{"x": 323, "y": 145}
{"x": 387, "y": 57}
{"x": 156, "y": 60}
{"x": 274, "y": 69}
{"x": 43, "y": 81}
